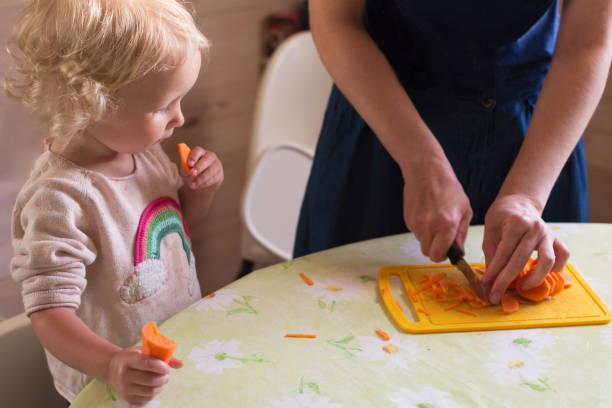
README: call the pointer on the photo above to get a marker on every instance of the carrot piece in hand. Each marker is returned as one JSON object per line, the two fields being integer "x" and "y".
{"x": 509, "y": 304}
{"x": 184, "y": 151}
{"x": 559, "y": 283}
{"x": 155, "y": 344}
{"x": 566, "y": 278}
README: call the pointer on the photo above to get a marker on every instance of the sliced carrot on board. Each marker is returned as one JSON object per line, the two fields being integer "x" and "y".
{"x": 509, "y": 304}
{"x": 184, "y": 151}
{"x": 383, "y": 334}
{"x": 567, "y": 279}
{"x": 536, "y": 294}
{"x": 155, "y": 344}
{"x": 559, "y": 283}
{"x": 469, "y": 312}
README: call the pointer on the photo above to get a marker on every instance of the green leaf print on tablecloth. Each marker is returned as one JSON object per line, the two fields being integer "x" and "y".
{"x": 218, "y": 355}
{"x": 427, "y": 397}
{"x": 225, "y": 299}
{"x": 343, "y": 344}
{"x": 307, "y": 395}
{"x": 246, "y": 306}
{"x": 290, "y": 263}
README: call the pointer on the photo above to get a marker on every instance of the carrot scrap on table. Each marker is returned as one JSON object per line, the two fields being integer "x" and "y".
{"x": 184, "y": 151}
{"x": 155, "y": 344}
{"x": 383, "y": 334}
{"x": 306, "y": 279}
{"x": 302, "y": 336}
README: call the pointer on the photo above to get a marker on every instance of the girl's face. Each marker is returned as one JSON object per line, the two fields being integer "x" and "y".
{"x": 149, "y": 109}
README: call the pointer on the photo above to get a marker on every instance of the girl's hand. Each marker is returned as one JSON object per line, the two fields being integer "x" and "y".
{"x": 436, "y": 209}
{"x": 139, "y": 378}
{"x": 513, "y": 230}
{"x": 206, "y": 170}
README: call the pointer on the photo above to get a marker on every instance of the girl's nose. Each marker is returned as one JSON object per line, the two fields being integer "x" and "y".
{"x": 178, "y": 119}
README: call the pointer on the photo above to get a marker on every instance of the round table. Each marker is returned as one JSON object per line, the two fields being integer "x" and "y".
{"x": 236, "y": 354}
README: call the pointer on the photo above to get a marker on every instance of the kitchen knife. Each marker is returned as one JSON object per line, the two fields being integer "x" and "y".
{"x": 456, "y": 258}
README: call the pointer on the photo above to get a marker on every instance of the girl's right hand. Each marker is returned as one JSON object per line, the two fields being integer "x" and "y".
{"x": 436, "y": 209}
{"x": 136, "y": 377}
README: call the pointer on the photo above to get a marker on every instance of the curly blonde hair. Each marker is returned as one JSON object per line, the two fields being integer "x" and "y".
{"x": 72, "y": 56}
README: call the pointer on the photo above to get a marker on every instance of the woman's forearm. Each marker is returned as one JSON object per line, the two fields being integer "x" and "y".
{"x": 366, "y": 78}
{"x": 62, "y": 333}
{"x": 572, "y": 89}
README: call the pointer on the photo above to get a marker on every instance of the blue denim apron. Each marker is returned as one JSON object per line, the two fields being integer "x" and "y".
{"x": 474, "y": 70}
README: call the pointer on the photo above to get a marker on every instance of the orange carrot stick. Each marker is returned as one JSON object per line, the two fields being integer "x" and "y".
{"x": 471, "y": 313}
{"x": 155, "y": 344}
{"x": 306, "y": 279}
{"x": 453, "y": 306}
{"x": 424, "y": 312}
{"x": 383, "y": 334}
{"x": 302, "y": 336}
{"x": 413, "y": 295}
{"x": 184, "y": 151}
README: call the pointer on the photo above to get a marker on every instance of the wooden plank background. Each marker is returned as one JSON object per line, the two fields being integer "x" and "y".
{"x": 218, "y": 114}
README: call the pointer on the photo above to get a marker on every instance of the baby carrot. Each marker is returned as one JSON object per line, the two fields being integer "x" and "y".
{"x": 383, "y": 334}
{"x": 184, "y": 151}
{"x": 306, "y": 279}
{"x": 302, "y": 336}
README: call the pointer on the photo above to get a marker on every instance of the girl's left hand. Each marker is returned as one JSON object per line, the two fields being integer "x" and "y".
{"x": 206, "y": 170}
{"x": 513, "y": 230}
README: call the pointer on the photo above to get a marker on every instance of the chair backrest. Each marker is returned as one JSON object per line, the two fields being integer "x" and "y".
{"x": 292, "y": 98}
{"x": 26, "y": 381}
{"x": 287, "y": 121}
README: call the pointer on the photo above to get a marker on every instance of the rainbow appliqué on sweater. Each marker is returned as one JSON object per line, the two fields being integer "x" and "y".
{"x": 162, "y": 217}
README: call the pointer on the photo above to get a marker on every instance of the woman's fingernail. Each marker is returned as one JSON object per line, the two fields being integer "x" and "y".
{"x": 495, "y": 298}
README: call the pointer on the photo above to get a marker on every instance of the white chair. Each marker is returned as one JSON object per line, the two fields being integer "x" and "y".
{"x": 25, "y": 381}
{"x": 288, "y": 115}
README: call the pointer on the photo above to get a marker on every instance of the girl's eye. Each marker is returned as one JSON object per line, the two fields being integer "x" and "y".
{"x": 164, "y": 109}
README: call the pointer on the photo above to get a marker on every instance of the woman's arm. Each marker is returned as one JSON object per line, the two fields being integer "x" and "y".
{"x": 436, "y": 208}
{"x": 569, "y": 96}
{"x": 136, "y": 377}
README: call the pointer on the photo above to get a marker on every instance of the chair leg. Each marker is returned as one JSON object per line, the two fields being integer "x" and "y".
{"x": 247, "y": 267}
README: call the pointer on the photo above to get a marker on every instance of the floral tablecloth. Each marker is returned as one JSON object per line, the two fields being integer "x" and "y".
{"x": 236, "y": 355}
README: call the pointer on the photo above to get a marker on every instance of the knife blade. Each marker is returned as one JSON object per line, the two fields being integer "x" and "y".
{"x": 456, "y": 258}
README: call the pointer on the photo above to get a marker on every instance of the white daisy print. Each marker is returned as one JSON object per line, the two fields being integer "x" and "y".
{"x": 426, "y": 397}
{"x": 395, "y": 352}
{"x": 604, "y": 405}
{"x": 124, "y": 404}
{"x": 517, "y": 366}
{"x": 219, "y": 355}
{"x": 218, "y": 300}
{"x": 606, "y": 337}
{"x": 333, "y": 290}
{"x": 534, "y": 339}
{"x": 309, "y": 400}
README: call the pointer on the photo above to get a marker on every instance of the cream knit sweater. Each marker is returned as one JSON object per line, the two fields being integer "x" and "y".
{"x": 115, "y": 249}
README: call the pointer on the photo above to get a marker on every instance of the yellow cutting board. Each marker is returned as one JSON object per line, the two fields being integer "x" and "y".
{"x": 576, "y": 305}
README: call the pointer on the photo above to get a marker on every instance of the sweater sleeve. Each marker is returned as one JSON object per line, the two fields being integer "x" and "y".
{"x": 51, "y": 247}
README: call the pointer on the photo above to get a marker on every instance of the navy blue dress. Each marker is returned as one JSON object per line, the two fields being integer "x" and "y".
{"x": 474, "y": 70}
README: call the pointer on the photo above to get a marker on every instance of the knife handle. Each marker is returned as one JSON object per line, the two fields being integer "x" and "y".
{"x": 454, "y": 253}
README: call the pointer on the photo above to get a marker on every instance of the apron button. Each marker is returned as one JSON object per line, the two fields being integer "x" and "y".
{"x": 487, "y": 102}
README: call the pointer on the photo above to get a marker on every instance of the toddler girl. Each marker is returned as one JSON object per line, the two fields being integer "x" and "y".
{"x": 99, "y": 230}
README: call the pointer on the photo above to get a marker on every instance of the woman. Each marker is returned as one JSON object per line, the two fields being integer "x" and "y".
{"x": 433, "y": 124}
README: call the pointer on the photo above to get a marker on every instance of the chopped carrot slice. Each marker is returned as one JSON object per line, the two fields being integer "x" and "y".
{"x": 424, "y": 312}
{"x": 567, "y": 279}
{"x": 559, "y": 283}
{"x": 413, "y": 295}
{"x": 453, "y": 306}
{"x": 469, "y": 312}
{"x": 155, "y": 344}
{"x": 306, "y": 279}
{"x": 509, "y": 304}
{"x": 383, "y": 334}
{"x": 536, "y": 294}
{"x": 184, "y": 151}
{"x": 302, "y": 336}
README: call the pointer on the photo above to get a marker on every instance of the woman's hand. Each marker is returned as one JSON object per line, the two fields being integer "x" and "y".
{"x": 513, "y": 230}
{"x": 206, "y": 170}
{"x": 138, "y": 378}
{"x": 436, "y": 209}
